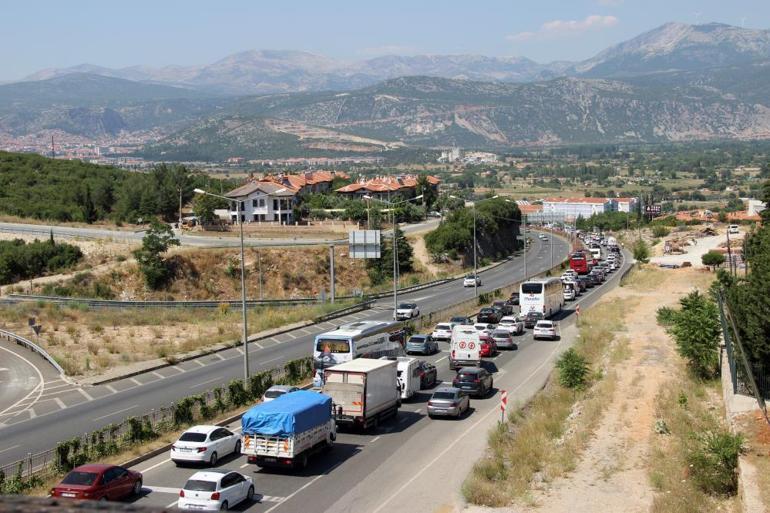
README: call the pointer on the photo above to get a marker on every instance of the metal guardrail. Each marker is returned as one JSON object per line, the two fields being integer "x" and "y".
{"x": 32, "y": 347}
{"x": 112, "y": 303}
{"x": 358, "y": 307}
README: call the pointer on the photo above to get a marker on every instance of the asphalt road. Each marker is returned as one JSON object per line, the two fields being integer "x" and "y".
{"x": 412, "y": 463}
{"x": 61, "y": 413}
{"x": 44, "y": 231}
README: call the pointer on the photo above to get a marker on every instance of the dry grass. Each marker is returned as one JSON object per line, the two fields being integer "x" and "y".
{"x": 686, "y": 406}
{"x": 544, "y": 440}
{"x": 757, "y": 432}
{"x": 88, "y": 342}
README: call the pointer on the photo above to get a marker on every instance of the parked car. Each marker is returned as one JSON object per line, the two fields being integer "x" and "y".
{"x": 471, "y": 281}
{"x": 276, "y": 391}
{"x": 428, "y": 374}
{"x": 442, "y": 331}
{"x": 215, "y": 489}
{"x": 503, "y": 306}
{"x": 98, "y": 482}
{"x": 511, "y": 324}
{"x": 484, "y": 328}
{"x": 423, "y": 344}
{"x": 546, "y": 329}
{"x": 504, "y": 339}
{"x": 488, "y": 346}
{"x": 474, "y": 380}
{"x": 460, "y": 321}
{"x": 514, "y": 299}
{"x": 489, "y": 315}
{"x": 531, "y": 319}
{"x": 406, "y": 311}
{"x": 205, "y": 444}
{"x": 448, "y": 401}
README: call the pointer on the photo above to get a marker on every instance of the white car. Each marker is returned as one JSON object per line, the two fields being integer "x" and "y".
{"x": 276, "y": 391}
{"x": 511, "y": 324}
{"x": 470, "y": 281}
{"x": 543, "y": 236}
{"x": 214, "y": 490}
{"x": 442, "y": 331}
{"x": 406, "y": 311}
{"x": 484, "y": 328}
{"x": 546, "y": 329}
{"x": 205, "y": 444}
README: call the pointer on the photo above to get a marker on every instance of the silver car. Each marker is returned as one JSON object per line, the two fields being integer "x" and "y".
{"x": 448, "y": 401}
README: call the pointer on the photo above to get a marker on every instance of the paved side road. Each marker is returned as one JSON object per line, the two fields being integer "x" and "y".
{"x": 410, "y": 464}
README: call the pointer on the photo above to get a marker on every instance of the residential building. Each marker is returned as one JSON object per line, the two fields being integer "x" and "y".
{"x": 387, "y": 188}
{"x": 262, "y": 201}
{"x": 572, "y": 208}
{"x": 307, "y": 182}
{"x": 625, "y": 204}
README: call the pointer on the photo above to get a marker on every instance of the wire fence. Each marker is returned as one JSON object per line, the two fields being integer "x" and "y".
{"x": 20, "y": 475}
{"x": 746, "y": 378}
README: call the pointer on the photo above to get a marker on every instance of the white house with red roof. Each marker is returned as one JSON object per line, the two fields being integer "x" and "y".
{"x": 387, "y": 188}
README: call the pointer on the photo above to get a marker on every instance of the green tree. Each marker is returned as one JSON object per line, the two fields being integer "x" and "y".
{"x": 429, "y": 194}
{"x": 696, "y": 331}
{"x": 155, "y": 269}
{"x": 204, "y": 206}
{"x": 713, "y": 259}
{"x": 573, "y": 369}
{"x": 641, "y": 251}
{"x": 381, "y": 269}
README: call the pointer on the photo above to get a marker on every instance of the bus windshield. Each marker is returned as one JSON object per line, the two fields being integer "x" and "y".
{"x": 326, "y": 345}
{"x": 531, "y": 288}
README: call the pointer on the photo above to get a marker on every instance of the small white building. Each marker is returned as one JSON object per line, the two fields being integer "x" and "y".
{"x": 626, "y": 204}
{"x": 572, "y": 208}
{"x": 754, "y": 206}
{"x": 262, "y": 202}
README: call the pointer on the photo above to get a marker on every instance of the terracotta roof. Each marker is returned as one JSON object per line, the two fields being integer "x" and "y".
{"x": 388, "y": 183}
{"x": 530, "y": 209}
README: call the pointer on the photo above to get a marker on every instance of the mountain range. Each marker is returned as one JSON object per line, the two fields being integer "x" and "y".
{"x": 675, "y": 83}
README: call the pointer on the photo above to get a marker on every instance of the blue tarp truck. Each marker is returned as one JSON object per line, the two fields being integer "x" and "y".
{"x": 285, "y": 432}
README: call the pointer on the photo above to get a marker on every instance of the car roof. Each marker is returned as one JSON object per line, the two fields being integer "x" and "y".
{"x": 418, "y": 335}
{"x": 453, "y": 390}
{"x": 212, "y": 474}
{"x": 203, "y": 428}
{"x": 545, "y": 321}
{"x": 93, "y": 467}
{"x": 509, "y": 318}
{"x": 469, "y": 370}
{"x": 282, "y": 387}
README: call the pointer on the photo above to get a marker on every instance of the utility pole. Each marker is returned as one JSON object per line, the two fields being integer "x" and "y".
{"x": 729, "y": 253}
{"x": 475, "y": 270}
{"x": 331, "y": 270}
{"x": 525, "y": 248}
{"x": 245, "y": 334}
{"x": 180, "y": 207}
{"x": 259, "y": 264}
{"x": 395, "y": 262}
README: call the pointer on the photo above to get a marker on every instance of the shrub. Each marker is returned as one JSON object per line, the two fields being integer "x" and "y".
{"x": 641, "y": 251}
{"x": 696, "y": 331}
{"x": 666, "y": 316}
{"x": 659, "y": 231}
{"x": 573, "y": 369}
{"x": 20, "y": 260}
{"x": 714, "y": 462}
{"x": 713, "y": 259}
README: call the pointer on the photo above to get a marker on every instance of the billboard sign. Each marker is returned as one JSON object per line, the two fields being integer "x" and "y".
{"x": 364, "y": 244}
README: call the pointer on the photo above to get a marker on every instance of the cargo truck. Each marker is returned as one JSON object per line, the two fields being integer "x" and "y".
{"x": 285, "y": 432}
{"x": 363, "y": 391}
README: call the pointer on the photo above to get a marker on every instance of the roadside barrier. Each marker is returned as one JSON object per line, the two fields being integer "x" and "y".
{"x": 18, "y": 339}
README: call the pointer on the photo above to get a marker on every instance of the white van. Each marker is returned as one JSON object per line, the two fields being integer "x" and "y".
{"x": 465, "y": 348}
{"x": 408, "y": 376}
{"x": 733, "y": 229}
{"x": 596, "y": 253}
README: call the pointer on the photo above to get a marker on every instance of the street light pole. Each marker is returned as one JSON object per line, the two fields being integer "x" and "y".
{"x": 475, "y": 268}
{"x": 244, "y": 332}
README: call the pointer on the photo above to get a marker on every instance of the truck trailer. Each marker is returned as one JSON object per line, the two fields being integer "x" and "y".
{"x": 285, "y": 432}
{"x": 363, "y": 391}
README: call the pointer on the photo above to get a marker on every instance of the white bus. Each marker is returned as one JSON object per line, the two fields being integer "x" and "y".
{"x": 546, "y": 296}
{"x": 360, "y": 339}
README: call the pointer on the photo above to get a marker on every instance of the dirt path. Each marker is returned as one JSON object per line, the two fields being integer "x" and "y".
{"x": 612, "y": 474}
{"x": 420, "y": 252}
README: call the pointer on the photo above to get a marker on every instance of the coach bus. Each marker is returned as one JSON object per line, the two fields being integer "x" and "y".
{"x": 360, "y": 339}
{"x": 579, "y": 263}
{"x": 545, "y": 295}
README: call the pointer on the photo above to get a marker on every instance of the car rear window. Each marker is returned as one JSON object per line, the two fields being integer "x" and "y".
{"x": 418, "y": 339}
{"x": 193, "y": 437}
{"x": 466, "y": 376}
{"x": 443, "y": 395}
{"x": 197, "y": 485}
{"x": 80, "y": 478}
{"x": 500, "y": 334}
{"x": 443, "y": 327}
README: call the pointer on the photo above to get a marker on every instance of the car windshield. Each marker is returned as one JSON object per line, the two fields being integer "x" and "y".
{"x": 443, "y": 395}
{"x": 532, "y": 288}
{"x": 193, "y": 437}
{"x": 487, "y": 310}
{"x": 272, "y": 394}
{"x": 326, "y": 345}
{"x": 197, "y": 485}
{"x": 444, "y": 327}
{"x": 77, "y": 477}
{"x": 542, "y": 324}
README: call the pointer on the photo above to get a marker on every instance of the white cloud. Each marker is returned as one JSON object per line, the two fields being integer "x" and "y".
{"x": 563, "y": 28}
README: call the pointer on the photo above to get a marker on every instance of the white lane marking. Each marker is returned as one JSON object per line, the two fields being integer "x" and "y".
{"x": 374, "y": 439}
{"x": 161, "y": 489}
{"x": 135, "y": 381}
{"x": 155, "y": 466}
{"x": 111, "y": 389}
{"x": 3, "y": 369}
{"x": 40, "y": 384}
{"x": 178, "y": 368}
{"x": 85, "y": 394}
{"x": 219, "y": 356}
{"x": 304, "y": 486}
{"x": 200, "y": 363}
{"x": 418, "y": 410}
{"x": 204, "y": 382}
{"x": 32, "y": 413}
{"x": 172, "y": 504}
{"x": 116, "y": 412}
{"x": 242, "y": 466}
{"x": 158, "y": 375}
{"x": 290, "y": 335}
{"x": 467, "y": 431}
{"x": 272, "y": 498}
{"x": 441, "y": 359}
{"x": 240, "y": 351}
{"x": 9, "y": 448}
{"x": 60, "y": 403}
{"x": 302, "y": 330}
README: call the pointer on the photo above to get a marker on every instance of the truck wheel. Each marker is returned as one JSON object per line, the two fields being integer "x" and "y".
{"x": 303, "y": 461}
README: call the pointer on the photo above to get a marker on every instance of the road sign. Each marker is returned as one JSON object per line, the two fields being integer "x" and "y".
{"x": 364, "y": 244}
{"x": 503, "y": 404}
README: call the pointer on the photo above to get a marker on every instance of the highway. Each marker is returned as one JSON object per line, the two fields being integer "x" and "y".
{"x": 185, "y": 239}
{"x": 413, "y": 463}
{"x": 62, "y": 412}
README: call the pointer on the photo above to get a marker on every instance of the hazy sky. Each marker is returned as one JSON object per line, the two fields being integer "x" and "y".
{"x": 39, "y": 34}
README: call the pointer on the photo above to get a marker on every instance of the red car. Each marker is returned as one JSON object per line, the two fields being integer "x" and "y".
{"x": 488, "y": 346}
{"x": 98, "y": 483}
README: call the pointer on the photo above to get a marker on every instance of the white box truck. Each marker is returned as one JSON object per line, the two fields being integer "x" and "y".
{"x": 465, "y": 348}
{"x": 363, "y": 391}
{"x": 286, "y": 431}
{"x": 408, "y": 376}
